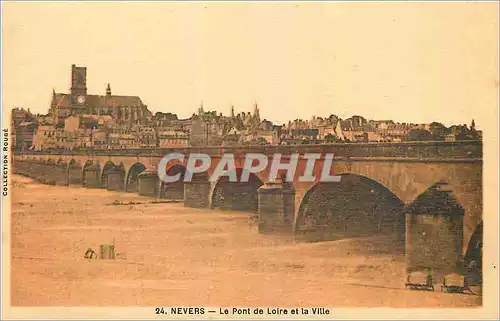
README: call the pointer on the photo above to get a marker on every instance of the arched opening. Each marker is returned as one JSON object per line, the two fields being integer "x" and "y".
{"x": 237, "y": 196}
{"x": 174, "y": 190}
{"x": 354, "y": 207}
{"x": 87, "y": 164}
{"x": 104, "y": 175}
{"x": 473, "y": 260}
{"x": 131, "y": 184}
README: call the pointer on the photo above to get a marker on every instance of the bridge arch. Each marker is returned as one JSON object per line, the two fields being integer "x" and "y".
{"x": 91, "y": 173}
{"x": 354, "y": 207}
{"x": 237, "y": 196}
{"x": 132, "y": 177}
{"x": 104, "y": 173}
{"x": 87, "y": 164}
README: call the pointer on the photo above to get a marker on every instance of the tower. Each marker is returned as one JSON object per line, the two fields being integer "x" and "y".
{"x": 232, "y": 111}
{"x": 108, "y": 90}
{"x": 53, "y": 106}
{"x": 473, "y": 125}
{"x": 201, "y": 112}
{"x": 256, "y": 114}
{"x": 53, "y": 103}
{"x": 78, "y": 85}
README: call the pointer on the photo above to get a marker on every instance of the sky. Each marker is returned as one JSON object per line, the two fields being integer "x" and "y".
{"x": 410, "y": 62}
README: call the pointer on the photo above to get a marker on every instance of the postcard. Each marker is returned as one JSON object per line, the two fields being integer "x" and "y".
{"x": 250, "y": 160}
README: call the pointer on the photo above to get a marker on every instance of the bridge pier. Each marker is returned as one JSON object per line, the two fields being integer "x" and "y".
{"x": 91, "y": 176}
{"x": 42, "y": 174}
{"x": 74, "y": 175}
{"x": 60, "y": 174}
{"x": 434, "y": 234}
{"x": 115, "y": 179}
{"x": 276, "y": 208}
{"x": 50, "y": 170}
{"x": 21, "y": 167}
{"x": 173, "y": 191}
{"x": 148, "y": 183}
{"x": 196, "y": 192}
{"x": 31, "y": 168}
{"x": 36, "y": 171}
{"x": 39, "y": 172}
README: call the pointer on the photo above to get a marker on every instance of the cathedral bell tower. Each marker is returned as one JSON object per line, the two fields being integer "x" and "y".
{"x": 78, "y": 85}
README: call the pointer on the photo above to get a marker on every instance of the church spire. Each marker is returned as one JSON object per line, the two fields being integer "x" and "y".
{"x": 54, "y": 102}
{"x": 256, "y": 113}
{"x": 55, "y": 112}
{"x": 108, "y": 90}
{"x": 201, "y": 112}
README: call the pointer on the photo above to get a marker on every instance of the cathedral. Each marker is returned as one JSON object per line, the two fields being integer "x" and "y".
{"x": 125, "y": 109}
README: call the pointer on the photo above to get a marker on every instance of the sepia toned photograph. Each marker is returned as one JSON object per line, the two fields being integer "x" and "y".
{"x": 232, "y": 160}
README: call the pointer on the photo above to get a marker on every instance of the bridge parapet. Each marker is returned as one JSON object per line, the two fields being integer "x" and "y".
{"x": 410, "y": 150}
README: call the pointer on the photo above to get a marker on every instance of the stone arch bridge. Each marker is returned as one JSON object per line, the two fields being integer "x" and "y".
{"x": 379, "y": 181}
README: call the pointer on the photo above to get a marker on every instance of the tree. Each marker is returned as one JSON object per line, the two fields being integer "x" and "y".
{"x": 438, "y": 130}
{"x": 261, "y": 141}
{"x": 420, "y": 135}
{"x": 330, "y": 138}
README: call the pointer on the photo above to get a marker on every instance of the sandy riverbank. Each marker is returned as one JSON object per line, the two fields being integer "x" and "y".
{"x": 172, "y": 255}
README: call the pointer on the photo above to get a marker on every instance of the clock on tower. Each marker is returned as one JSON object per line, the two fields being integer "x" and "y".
{"x": 80, "y": 99}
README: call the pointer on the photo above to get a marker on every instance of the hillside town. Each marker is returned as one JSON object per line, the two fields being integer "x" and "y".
{"x": 78, "y": 120}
